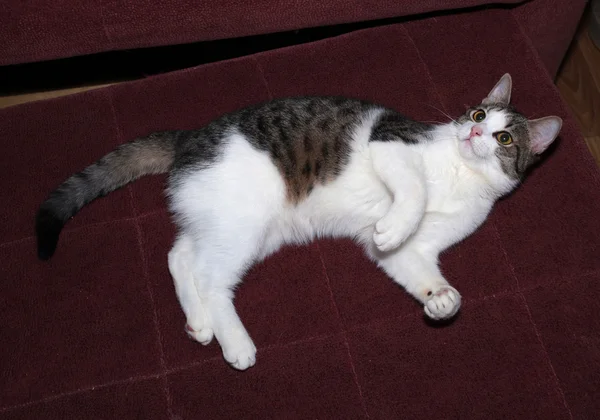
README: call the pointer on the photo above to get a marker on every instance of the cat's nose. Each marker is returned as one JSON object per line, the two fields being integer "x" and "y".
{"x": 476, "y": 130}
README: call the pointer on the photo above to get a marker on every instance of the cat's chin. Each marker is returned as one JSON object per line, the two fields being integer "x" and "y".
{"x": 474, "y": 149}
{"x": 466, "y": 149}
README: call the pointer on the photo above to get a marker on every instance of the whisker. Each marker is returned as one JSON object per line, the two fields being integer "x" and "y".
{"x": 442, "y": 112}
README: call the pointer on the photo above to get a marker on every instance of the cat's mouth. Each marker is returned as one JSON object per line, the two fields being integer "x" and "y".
{"x": 468, "y": 149}
{"x": 466, "y": 143}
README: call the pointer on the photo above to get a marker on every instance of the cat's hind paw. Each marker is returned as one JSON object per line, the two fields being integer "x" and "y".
{"x": 204, "y": 335}
{"x": 444, "y": 303}
{"x": 241, "y": 354}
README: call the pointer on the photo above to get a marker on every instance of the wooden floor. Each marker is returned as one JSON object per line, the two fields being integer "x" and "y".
{"x": 578, "y": 82}
{"x": 6, "y": 101}
{"x": 579, "y": 85}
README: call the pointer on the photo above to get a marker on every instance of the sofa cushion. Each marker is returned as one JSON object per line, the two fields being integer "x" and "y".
{"x": 97, "y": 332}
{"x": 37, "y": 30}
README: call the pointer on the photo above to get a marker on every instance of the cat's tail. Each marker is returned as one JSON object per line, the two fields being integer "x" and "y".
{"x": 145, "y": 156}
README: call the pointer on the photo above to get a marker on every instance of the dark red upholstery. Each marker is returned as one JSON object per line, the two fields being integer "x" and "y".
{"x": 36, "y": 30}
{"x": 97, "y": 332}
{"x": 550, "y": 24}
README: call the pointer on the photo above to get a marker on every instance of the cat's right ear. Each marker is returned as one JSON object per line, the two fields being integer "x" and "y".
{"x": 500, "y": 94}
{"x": 542, "y": 132}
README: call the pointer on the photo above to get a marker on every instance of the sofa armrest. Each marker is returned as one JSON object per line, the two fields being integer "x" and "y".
{"x": 551, "y": 25}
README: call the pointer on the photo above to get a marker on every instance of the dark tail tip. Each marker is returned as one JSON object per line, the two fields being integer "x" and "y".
{"x": 47, "y": 229}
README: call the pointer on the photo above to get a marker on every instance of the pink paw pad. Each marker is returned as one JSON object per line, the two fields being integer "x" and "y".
{"x": 203, "y": 336}
{"x": 443, "y": 304}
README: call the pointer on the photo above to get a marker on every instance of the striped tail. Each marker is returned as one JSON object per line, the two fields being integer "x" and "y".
{"x": 145, "y": 156}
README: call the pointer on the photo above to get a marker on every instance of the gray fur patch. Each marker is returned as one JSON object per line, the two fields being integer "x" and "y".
{"x": 308, "y": 139}
{"x": 392, "y": 126}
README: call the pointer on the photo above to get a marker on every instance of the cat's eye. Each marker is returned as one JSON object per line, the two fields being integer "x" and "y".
{"x": 503, "y": 138}
{"x": 478, "y": 115}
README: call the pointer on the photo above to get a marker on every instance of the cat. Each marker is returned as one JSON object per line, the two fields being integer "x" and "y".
{"x": 295, "y": 169}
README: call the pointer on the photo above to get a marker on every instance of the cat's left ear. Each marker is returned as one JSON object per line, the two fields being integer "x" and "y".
{"x": 500, "y": 94}
{"x": 542, "y": 132}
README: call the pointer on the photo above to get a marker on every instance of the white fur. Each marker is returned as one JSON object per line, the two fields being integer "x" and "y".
{"x": 404, "y": 203}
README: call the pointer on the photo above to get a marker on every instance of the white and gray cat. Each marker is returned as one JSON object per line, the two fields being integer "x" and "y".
{"x": 292, "y": 170}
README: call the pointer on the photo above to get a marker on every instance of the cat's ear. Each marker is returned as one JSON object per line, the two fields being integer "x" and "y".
{"x": 500, "y": 94}
{"x": 542, "y": 132}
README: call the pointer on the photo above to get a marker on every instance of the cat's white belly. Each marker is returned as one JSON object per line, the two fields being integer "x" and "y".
{"x": 347, "y": 207}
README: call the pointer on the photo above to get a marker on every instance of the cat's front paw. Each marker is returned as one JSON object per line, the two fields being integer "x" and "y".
{"x": 443, "y": 303}
{"x": 391, "y": 232}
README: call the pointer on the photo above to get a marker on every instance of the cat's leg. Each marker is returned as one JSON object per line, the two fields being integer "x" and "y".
{"x": 418, "y": 273}
{"x": 397, "y": 168}
{"x": 415, "y": 264}
{"x": 181, "y": 260}
{"x": 227, "y": 208}
{"x": 221, "y": 260}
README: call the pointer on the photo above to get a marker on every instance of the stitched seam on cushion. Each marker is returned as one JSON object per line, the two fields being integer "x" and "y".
{"x": 344, "y": 334}
{"x": 506, "y": 258}
{"x": 89, "y": 225}
{"x": 262, "y": 75}
{"x": 106, "y": 33}
{"x": 264, "y": 349}
{"x": 532, "y": 322}
{"x": 427, "y": 71}
{"x": 541, "y": 341}
{"x": 78, "y": 391}
{"x": 146, "y": 275}
{"x": 161, "y": 351}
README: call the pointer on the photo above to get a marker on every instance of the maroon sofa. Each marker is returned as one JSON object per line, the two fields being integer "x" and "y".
{"x": 97, "y": 332}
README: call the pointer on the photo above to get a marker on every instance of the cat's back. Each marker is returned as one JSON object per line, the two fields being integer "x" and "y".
{"x": 310, "y": 140}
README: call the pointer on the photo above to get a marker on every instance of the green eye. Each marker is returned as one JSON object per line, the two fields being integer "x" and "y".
{"x": 504, "y": 138}
{"x": 478, "y": 115}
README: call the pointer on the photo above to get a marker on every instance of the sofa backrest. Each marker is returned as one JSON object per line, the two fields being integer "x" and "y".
{"x": 38, "y": 30}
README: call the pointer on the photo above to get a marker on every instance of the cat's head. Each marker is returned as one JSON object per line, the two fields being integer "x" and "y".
{"x": 493, "y": 138}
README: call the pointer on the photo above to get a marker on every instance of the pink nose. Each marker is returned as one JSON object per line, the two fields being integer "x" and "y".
{"x": 476, "y": 130}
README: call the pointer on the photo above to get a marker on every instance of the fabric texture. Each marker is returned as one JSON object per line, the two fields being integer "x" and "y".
{"x": 550, "y": 24}
{"x": 97, "y": 332}
{"x": 37, "y": 30}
